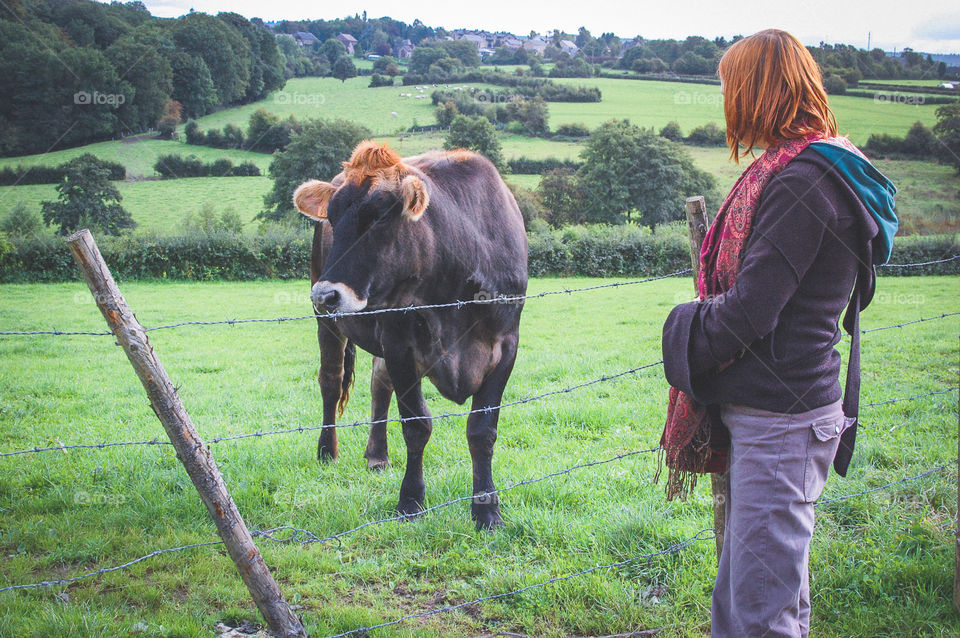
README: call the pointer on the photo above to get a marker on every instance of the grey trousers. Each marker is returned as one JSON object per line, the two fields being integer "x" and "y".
{"x": 778, "y": 467}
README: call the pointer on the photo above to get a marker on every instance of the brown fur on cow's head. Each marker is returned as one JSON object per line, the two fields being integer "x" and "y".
{"x": 369, "y": 161}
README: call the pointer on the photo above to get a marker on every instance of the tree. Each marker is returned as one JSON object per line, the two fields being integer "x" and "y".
{"x": 563, "y": 196}
{"x": 626, "y": 169}
{"x": 192, "y": 85}
{"x": 266, "y": 133}
{"x": 477, "y": 134}
{"x": 314, "y": 152}
{"x": 226, "y": 53}
{"x": 947, "y": 130}
{"x": 171, "y": 117}
{"x": 333, "y": 50}
{"x": 87, "y": 198}
{"x": 532, "y": 115}
{"x": 344, "y": 68}
{"x": 386, "y": 65}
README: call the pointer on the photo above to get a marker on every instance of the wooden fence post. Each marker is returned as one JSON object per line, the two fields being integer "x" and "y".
{"x": 191, "y": 450}
{"x": 956, "y": 544}
{"x": 697, "y": 225}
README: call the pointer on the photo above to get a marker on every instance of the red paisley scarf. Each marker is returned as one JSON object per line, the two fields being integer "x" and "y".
{"x": 693, "y": 440}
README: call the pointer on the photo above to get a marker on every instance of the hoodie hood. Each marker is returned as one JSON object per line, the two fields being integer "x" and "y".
{"x": 873, "y": 188}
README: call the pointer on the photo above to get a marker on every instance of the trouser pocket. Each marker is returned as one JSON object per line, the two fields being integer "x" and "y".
{"x": 822, "y": 442}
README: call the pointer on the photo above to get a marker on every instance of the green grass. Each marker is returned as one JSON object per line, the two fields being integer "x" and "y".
{"x": 932, "y": 82}
{"x": 138, "y": 155}
{"x": 162, "y": 205}
{"x": 882, "y": 564}
{"x": 331, "y": 98}
{"x": 652, "y": 103}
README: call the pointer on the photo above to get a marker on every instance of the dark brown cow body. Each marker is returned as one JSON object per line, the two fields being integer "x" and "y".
{"x": 431, "y": 229}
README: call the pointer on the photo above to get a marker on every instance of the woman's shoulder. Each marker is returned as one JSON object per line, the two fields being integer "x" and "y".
{"x": 810, "y": 177}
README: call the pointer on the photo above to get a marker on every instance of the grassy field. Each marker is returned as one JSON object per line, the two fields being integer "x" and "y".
{"x": 926, "y": 202}
{"x": 881, "y": 563}
{"x": 162, "y": 205}
{"x": 652, "y": 103}
{"x": 138, "y": 155}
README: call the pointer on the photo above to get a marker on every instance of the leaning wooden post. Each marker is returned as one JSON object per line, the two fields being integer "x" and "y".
{"x": 956, "y": 544}
{"x": 697, "y": 225}
{"x": 191, "y": 450}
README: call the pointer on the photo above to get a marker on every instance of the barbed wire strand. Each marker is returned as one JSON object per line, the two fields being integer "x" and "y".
{"x": 922, "y": 263}
{"x": 702, "y": 535}
{"x": 908, "y": 323}
{"x": 455, "y": 304}
{"x": 309, "y": 428}
{"x": 885, "y": 486}
{"x": 504, "y": 299}
{"x": 910, "y": 398}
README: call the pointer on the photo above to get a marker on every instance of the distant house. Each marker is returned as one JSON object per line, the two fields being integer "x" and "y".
{"x": 348, "y": 41}
{"x": 948, "y": 85}
{"x": 478, "y": 40}
{"x": 629, "y": 44}
{"x": 512, "y": 42}
{"x": 569, "y": 47}
{"x": 305, "y": 38}
{"x": 535, "y": 44}
{"x": 404, "y": 50}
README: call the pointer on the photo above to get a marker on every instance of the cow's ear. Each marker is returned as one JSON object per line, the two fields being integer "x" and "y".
{"x": 311, "y": 198}
{"x": 415, "y": 197}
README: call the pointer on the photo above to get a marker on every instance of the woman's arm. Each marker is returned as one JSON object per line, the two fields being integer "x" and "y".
{"x": 795, "y": 212}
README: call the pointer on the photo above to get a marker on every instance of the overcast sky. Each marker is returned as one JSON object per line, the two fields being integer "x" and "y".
{"x": 926, "y": 25}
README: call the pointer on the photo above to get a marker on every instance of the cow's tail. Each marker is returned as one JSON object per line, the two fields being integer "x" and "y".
{"x": 349, "y": 359}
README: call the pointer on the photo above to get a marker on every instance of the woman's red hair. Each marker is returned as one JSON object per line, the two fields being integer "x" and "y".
{"x": 773, "y": 90}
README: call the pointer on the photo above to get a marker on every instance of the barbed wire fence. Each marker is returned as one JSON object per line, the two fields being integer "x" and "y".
{"x": 286, "y": 534}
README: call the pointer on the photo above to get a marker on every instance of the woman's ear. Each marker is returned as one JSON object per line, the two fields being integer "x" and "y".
{"x": 415, "y": 197}
{"x": 312, "y": 197}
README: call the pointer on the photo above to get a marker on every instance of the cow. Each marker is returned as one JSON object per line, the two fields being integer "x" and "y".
{"x": 392, "y": 232}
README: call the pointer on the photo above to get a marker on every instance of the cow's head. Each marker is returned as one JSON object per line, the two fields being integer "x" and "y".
{"x": 373, "y": 206}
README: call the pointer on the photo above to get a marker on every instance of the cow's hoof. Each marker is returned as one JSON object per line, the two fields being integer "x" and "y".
{"x": 487, "y": 518}
{"x": 326, "y": 454}
{"x": 409, "y": 508}
{"x": 377, "y": 465}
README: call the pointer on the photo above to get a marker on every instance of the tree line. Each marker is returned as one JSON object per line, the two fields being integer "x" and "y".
{"x": 77, "y": 71}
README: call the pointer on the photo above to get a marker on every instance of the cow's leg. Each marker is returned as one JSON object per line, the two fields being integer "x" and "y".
{"x": 482, "y": 434}
{"x": 417, "y": 427}
{"x": 330, "y": 376}
{"x": 381, "y": 391}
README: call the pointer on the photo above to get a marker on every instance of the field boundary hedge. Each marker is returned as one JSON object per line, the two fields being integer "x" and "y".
{"x": 577, "y": 251}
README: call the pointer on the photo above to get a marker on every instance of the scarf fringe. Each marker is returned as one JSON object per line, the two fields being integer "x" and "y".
{"x": 684, "y": 465}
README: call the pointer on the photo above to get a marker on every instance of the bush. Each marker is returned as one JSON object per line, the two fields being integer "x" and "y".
{"x": 177, "y": 166}
{"x": 572, "y": 130}
{"x": 23, "y": 175}
{"x": 529, "y": 166}
{"x": 529, "y": 203}
{"x": 22, "y": 221}
{"x": 834, "y": 85}
{"x": 672, "y": 132}
{"x": 377, "y": 80}
{"x": 919, "y": 143}
{"x": 708, "y": 134}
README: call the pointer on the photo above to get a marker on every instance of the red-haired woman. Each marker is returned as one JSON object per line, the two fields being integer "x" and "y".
{"x": 752, "y": 364}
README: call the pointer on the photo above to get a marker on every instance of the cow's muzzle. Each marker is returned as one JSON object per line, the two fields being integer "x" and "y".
{"x": 335, "y": 297}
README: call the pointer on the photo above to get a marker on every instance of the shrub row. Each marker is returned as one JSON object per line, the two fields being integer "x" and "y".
{"x": 913, "y": 99}
{"x": 587, "y": 251}
{"x": 529, "y": 166}
{"x": 524, "y": 85}
{"x": 176, "y": 166}
{"x": 23, "y": 175}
